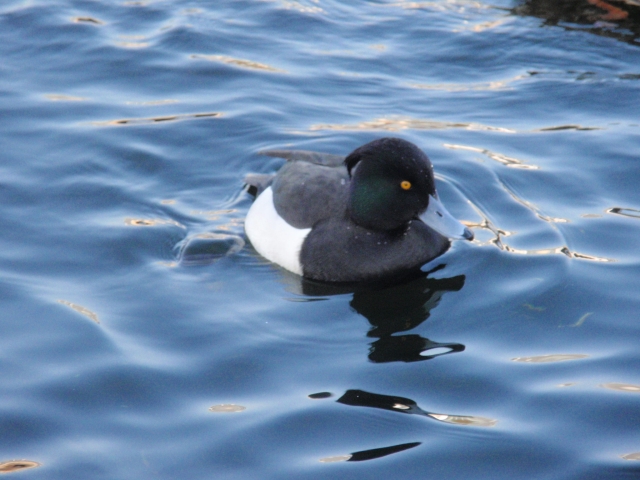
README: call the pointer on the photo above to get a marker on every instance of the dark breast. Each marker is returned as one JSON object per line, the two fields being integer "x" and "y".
{"x": 337, "y": 250}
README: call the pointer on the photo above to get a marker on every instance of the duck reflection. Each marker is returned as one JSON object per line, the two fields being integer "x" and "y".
{"x": 381, "y": 452}
{"x": 612, "y": 18}
{"x": 401, "y": 308}
{"x": 360, "y": 398}
{"x": 370, "y": 454}
{"x": 393, "y": 308}
{"x": 409, "y": 348}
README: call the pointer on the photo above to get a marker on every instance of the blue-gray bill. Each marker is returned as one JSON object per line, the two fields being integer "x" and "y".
{"x": 438, "y": 218}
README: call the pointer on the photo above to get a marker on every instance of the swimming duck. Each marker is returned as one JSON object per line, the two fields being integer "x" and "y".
{"x": 371, "y": 215}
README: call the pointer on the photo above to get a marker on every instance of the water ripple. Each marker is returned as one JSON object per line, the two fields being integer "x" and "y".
{"x": 237, "y": 62}
{"x": 152, "y": 120}
{"x": 408, "y": 123}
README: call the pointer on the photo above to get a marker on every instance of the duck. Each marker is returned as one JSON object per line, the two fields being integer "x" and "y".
{"x": 371, "y": 215}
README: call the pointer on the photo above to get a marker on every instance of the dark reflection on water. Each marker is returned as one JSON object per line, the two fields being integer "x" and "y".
{"x": 409, "y": 348}
{"x": 381, "y": 452}
{"x": 625, "y": 212}
{"x": 393, "y": 306}
{"x": 320, "y": 395}
{"x": 370, "y": 454}
{"x": 618, "y": 19}
{"x": 360, "y": 398}
{"x": 403, "y": 307}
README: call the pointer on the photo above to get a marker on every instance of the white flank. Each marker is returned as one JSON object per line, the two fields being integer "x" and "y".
{"x": 271, "y": 236}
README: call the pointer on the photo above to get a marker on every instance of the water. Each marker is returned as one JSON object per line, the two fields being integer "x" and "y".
{"x": 141, "y": 337}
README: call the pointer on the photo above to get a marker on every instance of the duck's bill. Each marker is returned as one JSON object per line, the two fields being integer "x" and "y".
{"x": 438, "y": 218}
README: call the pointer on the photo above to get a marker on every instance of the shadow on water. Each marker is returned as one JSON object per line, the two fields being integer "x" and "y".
{"x": 391, "y": 308}
{"x": 619, "y": 19}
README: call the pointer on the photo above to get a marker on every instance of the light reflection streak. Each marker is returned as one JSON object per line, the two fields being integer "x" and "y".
{"x": 227, "y": 408}
{"x": 133, "y": 45}
{"x": 461, "y": 87}
{"x": 552, "y": 358}
{"x": 559, "y": 250}
{"x": 237, "y": 62}
{"x": 531, "y": 206}
{"x": 151, "y": 222}
{"x": 499, "y": 234}
{"x": 581, "y": 320}
{"x": 621, "y": 387}
{"x": 464, "y": 420}
{"x": 481, "y": 27}
{"x": 397, "y": 123}
{"x": 294, "y": 5}
{"x": 216, "y": 214}
{"x": 169, "y": 264}
{"x": 17, "y": 465}
{"x": 334, "y": 459}
{"x": 486, "y": 224}
{"x": 407, "y": 123}
{"x": 82, "y": 310}
{"x": 459, "y": 5}
{"x": 92, "y": 20}
{"x": 153, "y": 103}
{"x": 498, "y": 157}
{"x": 56, "y": 97}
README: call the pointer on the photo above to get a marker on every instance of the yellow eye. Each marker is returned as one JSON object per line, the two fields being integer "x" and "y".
{"x": 405, "y": 185}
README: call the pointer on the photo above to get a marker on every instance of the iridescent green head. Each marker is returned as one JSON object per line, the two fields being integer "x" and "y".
{"x": 391, "y": 183}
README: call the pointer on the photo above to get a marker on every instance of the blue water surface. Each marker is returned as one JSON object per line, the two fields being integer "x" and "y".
{"x": 143, "y": 337}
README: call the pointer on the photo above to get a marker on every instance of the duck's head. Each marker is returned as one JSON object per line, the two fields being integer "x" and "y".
{"x": 392, "y": 183}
